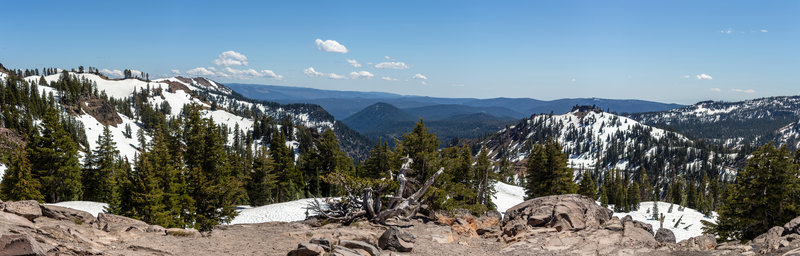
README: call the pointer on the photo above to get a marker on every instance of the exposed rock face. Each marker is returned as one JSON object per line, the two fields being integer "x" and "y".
{"x": 180, "y": 232}
{"x": 563, "y": 212}
{"x": 63, "y": 213}
{"x": 307, "y": 249}
{"x": 19, "y": 245}
{"x": 665, "y": 236}
{"x": 28, "y": 209}
{"x": 398, "y": 240}
{"x": 102, "y": 110}
{"x": 115, "y": 223}
{"x": 637, "y": 236}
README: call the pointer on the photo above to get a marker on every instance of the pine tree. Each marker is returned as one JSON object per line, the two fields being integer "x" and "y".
{"x": 587, "y": 186}
{"x": 547, "y": 172}
{"x": 420, "y": 146}
{"x": 486, "y": 179}
{"x": 54, "y": 158}
{"x": 289, "y": 186}
{"x": 655, "y": 205}
{"x": 102, "y": 164}
{"x": 262, "y": 179}
{"x": 691, "y": 195}
{"x": 18, "y": 182}
{"x": 633, "y": 197}
{"x": 766, "y": 194}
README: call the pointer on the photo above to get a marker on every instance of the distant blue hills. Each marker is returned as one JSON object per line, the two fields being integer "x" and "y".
{"x": 343, "y": 104}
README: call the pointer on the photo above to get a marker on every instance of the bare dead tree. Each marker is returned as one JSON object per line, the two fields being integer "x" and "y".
{"x": 367, "y": 203}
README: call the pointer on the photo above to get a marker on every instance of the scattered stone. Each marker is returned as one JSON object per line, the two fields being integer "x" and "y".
{"x": 307, "y": 249}
{"x": 155, "y": 229}
{"x": 64, "y": 213}
{"x": 20, "y": 245}
{"x": 321, "y": 241}
{"x": 396, "y": 240}
{"x": 665, "y": 236}
{"x": 180, "y": 232}
{"x": 358, "y": 245}
{"x": 28, "y": 209}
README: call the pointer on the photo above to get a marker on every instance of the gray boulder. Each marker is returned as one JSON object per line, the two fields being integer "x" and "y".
{"x": 633, "y": 235}
{"x": 563, "y": 212}
{"x": 665, "y": 236}
{"x": 702, "y": 243}
{"x": 307, "y": 249}
{"x": 396, "y": 240}
{"x": 358, "y": 245}
{"x": 28, "y": 209}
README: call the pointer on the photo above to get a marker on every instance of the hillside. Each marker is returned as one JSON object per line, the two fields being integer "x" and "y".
{"x": 599, "y": 141}
{"x": 225, "y": 106}
{"x": 385, "y": 122}
{"x": 378, "y": 116}
{"x": 755, "y": 121}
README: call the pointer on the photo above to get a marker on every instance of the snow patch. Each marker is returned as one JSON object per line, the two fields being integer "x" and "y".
{"x": 281, "y": 212}
{"x": 93, "y": 208}
{"x": 507, "y": 196}
{"x": 689, "y": 227}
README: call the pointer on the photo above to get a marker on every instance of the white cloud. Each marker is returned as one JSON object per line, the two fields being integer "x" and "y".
{"x": 231, "y": 58}
{"x": 136, "y": 73}
{"x": 387, "y": 58}
{"x": 703, "y": 77}
{"x": 743, "y": 90}
{"x": 113, "y": 73}
{"x": 726, "y": 31}
{"x": 387, "y": 78}
{"x": 175, "y": 72}
{"x": 361, "y": 75}
{"x": 330, "y": 46}
{"x": 354, "y": 63}
{"x": 311, "y": 72}
{"x": 249, "y": 73}
{"x": 200, "y": 71}
{"x": 763, "y": 31}
{"x": 420, "y": 77}
{"x": 423, "y": 83}
{"x": 716, "y": 89}
{"x": 392, "y": 65}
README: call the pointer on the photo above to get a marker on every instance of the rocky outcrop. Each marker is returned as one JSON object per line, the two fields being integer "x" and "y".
{"x": 320, "y": 246}
{"x": 793, "y": 226}
{"x": 700, "y": 243}
{"x": 396, "y": 239}
{"x": 562, "y": 212}
{"x": 19, "y": 245}
{"x": 28, "y": 209}
{"x": 63, "y": 213}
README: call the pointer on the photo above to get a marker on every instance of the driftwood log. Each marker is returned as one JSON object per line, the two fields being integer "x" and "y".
{"x": 367, "y": 203}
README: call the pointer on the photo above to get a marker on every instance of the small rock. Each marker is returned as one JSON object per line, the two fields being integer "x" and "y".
{"x": 344, "y": 251}
{"x": 636, "y": 236}
{"x": 180, "y": 232}
{"x": 793, "y": 226}
{"x": 396, "y": 240}
{"x": 358, "y": 245}
{"x": 626, "y": 218}
{"x": 20, "y": 245}
{"x": 321, "y": 241}
{"x": 28, "y": 209}
{"x": 665, "y": 236}
{"x": 307, "y": 249}
{"x": 64, "y": 213}
{"x": 156, "y": 229}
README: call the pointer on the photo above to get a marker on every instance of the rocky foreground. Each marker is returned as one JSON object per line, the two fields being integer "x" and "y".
{"x": 554, "y": 225}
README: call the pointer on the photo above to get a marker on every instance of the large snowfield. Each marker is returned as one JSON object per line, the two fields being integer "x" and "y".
{"x": 506, "y": 197}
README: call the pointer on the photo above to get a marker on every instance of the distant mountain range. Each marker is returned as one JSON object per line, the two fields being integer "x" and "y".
{"x": 342, "y": 104}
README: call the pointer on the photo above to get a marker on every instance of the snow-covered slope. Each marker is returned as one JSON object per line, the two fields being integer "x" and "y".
{"x": 690, "y": 225}
{"x": 732, "y": 123}
{"x": 789, "y": 135}
{"x": 507, "y": 196}
{"x": 594, "y": 140}
{"x": 3, "y": 169}
{"x": 283, "y": 212}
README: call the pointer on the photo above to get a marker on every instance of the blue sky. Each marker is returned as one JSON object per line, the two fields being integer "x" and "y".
{"x": 669, "y": 51}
